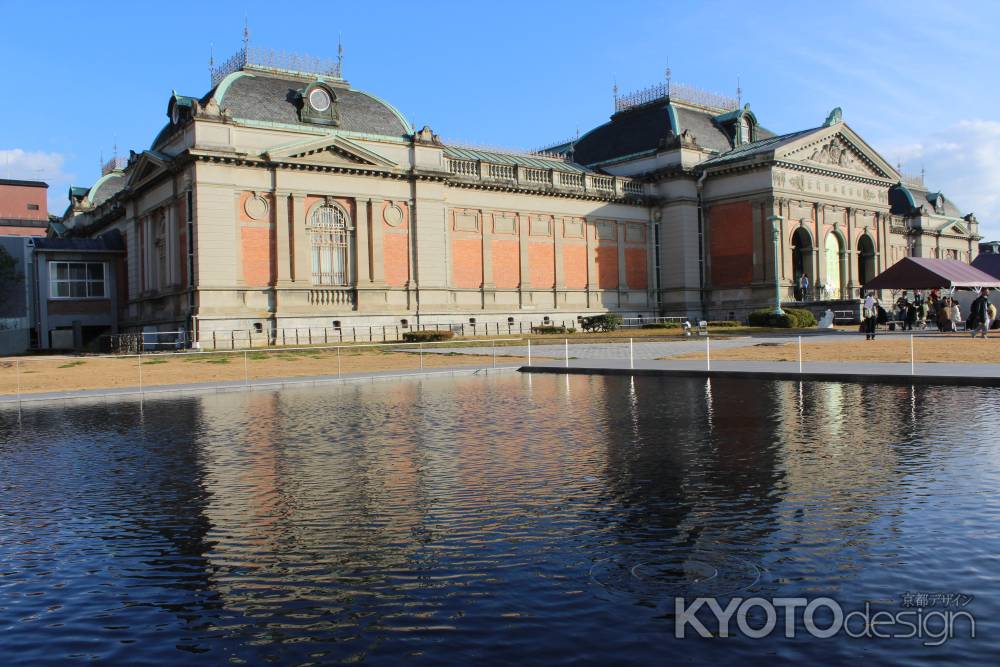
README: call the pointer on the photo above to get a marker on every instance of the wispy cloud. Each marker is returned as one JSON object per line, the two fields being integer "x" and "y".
{"x": 963, "y": 161}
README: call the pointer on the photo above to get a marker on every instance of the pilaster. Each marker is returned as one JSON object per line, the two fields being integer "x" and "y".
{"x": 301, "y": 272}
{"x": 283, "y": 238}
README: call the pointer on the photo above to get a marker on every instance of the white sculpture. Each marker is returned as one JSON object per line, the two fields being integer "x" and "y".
{"x": 826, "y": 322}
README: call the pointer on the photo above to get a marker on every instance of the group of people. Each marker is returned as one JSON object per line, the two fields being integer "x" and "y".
{"x": 944, "y": 311}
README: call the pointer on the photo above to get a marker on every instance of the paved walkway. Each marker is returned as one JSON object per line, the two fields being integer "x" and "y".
{"x": 872, "y": 372}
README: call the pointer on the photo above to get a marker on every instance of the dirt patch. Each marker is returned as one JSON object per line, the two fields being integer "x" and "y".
{"x": 48, "y": 374}
{"x": 946, "y": 349}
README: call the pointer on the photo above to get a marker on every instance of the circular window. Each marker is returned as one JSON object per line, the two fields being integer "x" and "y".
{"x": 319, "y": 99}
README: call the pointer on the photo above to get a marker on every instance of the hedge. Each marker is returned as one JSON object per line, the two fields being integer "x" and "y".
{"x": 427, "y": 336}
{"x": 794, "y": 318}
{"x": 552, "y": 329}
{"x": 723, "y": 323}
{"x": 661, "y": 325}
{"x": 606, "y": 322}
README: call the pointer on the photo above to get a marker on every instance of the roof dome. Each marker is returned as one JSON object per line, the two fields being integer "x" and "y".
{"x": 253, "y": 96}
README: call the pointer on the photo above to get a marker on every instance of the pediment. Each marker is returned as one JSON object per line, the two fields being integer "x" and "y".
{"x": 837, "y": 149}
{"x": 146, "y": 167}
{"x": 329, "y": 150}
{"x": 954, "y": 227}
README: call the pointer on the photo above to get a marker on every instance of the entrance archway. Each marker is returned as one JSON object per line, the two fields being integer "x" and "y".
{"x": 866, "y": 259}
{"x": 802, "y": 248}
{"x": 833, "y": 250}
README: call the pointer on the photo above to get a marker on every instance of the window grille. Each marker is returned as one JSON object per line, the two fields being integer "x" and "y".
{"x": 330, "y": 239}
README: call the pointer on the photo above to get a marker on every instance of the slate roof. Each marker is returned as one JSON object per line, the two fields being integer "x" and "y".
{"x": 496, "y": 157}
{"x": 642, "y": 129}
{"x": 108, "y": 242}
{"x": 258, "y": 97}
{"x": 900, "y": 204}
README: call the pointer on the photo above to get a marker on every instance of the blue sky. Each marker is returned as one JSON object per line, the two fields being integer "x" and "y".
{"x": 917, "y": 80}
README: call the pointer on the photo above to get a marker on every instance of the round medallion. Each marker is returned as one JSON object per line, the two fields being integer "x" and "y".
{"x": 255, "y": 207}
{"x": 393, "y": 215}
{"x": 319, "y": 99}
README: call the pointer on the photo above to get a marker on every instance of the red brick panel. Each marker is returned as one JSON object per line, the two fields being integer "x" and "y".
{"x": 541, "y": 264}
{"x": 396, "y": 258}
{"x": 467, "y": 267}
{"x": 635, "y": 267}
{"x": 575, "y": 266}
{"x": 607, "y": 266}
{"x": 506, "y": 263}
{"x": 258, "y": 268}
{"x": 731, "y": 245}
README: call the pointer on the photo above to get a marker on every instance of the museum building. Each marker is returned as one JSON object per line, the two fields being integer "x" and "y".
{"x": 285, "y": 198}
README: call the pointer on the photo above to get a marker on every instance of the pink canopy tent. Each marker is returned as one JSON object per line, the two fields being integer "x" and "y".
{"x": 928, "y": 273}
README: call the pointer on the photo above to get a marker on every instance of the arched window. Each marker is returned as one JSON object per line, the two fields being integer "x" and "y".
{"x": 746, "y": 130}
{"x": 330, "y": 238}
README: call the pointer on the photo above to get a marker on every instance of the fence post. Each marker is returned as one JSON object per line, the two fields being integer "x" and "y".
{"x": 708, "y": 354}
{"x": 566, "y": 352}
{"x": 631, "y": 357}
{"x": 246, "y": 370}
{"x": 529, "y": 351}
{"x": 232, "y": 339}
{"x": 800, "y": 354}
{"x": 215, "y": 346}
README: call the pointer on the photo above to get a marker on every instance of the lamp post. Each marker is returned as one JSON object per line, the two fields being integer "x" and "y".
{"x": 775, "y": 221}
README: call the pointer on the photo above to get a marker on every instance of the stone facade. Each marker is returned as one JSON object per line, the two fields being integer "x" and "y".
{"x": 284, "y": 200}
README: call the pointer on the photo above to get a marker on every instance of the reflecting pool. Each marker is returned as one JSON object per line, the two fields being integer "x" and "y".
{"x": 511, "y": 518}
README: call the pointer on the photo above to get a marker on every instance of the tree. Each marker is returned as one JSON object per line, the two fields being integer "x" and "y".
{"x": 8, "y": 268}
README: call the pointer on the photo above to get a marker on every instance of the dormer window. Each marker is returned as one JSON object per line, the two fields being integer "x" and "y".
{"x": 746, "y": 129}
{"x": 319, "y": 105}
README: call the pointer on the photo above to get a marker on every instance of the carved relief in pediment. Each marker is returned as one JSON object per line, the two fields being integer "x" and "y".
{"x": 836, "y": 152}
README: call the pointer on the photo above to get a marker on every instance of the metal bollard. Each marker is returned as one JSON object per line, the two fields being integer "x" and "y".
{"x": 339, "y": 368}
{"x": 708, "y": 354}
{"x": 566, "y": 352}
{"x": 631, "y": 357}
{"x": 529, "y": 351}
{"x": 421, "y": 348}
{"x": 495, "y": 353}
{"x": 246, "y": 371}
{"x": 912, "y": 369}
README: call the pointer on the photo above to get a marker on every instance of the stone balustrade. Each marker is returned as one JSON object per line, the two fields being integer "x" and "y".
{"x": 531, "y": 177}
{"x": 331, "y": 297}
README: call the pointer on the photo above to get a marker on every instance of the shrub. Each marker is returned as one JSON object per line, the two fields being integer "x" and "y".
{"x": 723, "y": 323}
{"x": 552, "y": 329}
{"x": 427, "y": 336}
{"x": 662, "y": 325}
{"x": 794, "y": 318}
{"x": 606, "y": 322}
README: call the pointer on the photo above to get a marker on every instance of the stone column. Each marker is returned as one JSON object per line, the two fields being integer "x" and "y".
{"x": 282, "y": 238}
{"x": 362, "y": 258}
{"x": 302, "y": 270}
{"x": 622, "y": 275}
{"x": 170, "y": 238}
{"x": 376, "y": 241}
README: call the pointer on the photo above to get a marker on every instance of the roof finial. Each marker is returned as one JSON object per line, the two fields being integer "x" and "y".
{"x": 211, "y": 58}
{"x": 614, "y": 92}
{"x": 739, "y": 93}
{"x": 666, "y": 75}
{"x": 340, "y": 55}
{"x": 246, "y": 33}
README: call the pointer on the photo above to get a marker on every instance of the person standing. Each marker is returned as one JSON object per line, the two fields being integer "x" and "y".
{"x": 870, "y": 314}
{"x": 979, "y": 313}
{"x": 956, "y": 315}
{"x": 804, "y": 286}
